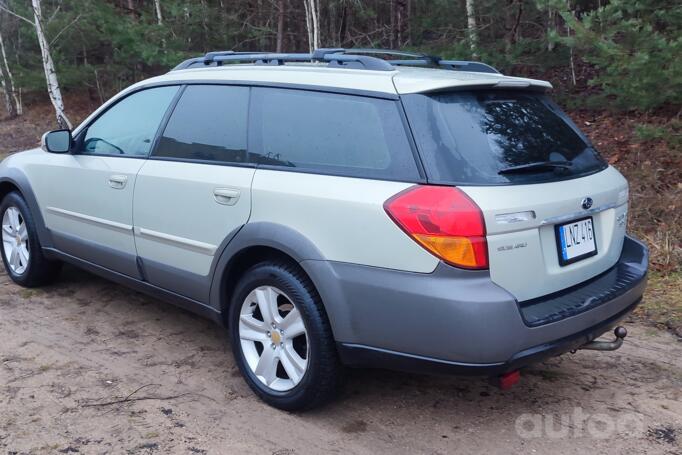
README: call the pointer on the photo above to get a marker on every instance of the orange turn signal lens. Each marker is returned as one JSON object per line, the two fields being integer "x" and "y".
{"x": 461, "y": 251}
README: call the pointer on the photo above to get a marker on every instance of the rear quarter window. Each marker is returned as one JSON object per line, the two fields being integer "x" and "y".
{"x": 330, "y": 133}
{"x": 474, "y": 137}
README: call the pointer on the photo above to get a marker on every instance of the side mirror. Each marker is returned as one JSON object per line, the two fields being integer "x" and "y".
{"x": 58, "y": 141}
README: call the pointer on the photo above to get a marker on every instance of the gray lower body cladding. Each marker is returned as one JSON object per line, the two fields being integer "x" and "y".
{"x": 460, "y": 320}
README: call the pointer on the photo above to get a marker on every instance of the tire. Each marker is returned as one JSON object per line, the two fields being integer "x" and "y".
{"x": 29, "y": 268}
{"x": 292, "y": 389}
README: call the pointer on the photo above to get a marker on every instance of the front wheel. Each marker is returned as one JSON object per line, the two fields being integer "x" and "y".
{"x": 281, "y": 338}
{"x": 21, "y": 251}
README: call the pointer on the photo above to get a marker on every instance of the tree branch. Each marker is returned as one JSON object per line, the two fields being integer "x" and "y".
{"x": 130, "y": 398}
{"x": 54, "y": 14}
{"x": 64, "y": 29}
{"x": 16, "y": 15}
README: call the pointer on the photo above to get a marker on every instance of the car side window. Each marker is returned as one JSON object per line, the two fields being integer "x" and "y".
{"x": 207, "y": 124}
{"x": 333, "y": 133}
{"x": 128, "y": 128}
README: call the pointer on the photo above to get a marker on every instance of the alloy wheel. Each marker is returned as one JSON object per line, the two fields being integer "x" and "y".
{"x": 15, "y": 240}
{"x": 273, "y": 338}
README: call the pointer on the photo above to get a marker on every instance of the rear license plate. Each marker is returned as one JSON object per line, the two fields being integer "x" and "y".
{"x": 575, "y": 240}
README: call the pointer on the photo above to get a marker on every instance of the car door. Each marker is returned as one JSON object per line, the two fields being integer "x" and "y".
{"x": 88, "y": 194}
{"x": 194, "y": 192}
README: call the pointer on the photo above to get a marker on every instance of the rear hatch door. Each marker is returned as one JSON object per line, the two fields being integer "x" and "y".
{"x": 554, "y": 210}
{"x": 527, "y": 254}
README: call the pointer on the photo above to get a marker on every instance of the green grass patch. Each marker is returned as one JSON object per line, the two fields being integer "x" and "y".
{"x": 663, "y": 301}
{"x": 670, "y": 133}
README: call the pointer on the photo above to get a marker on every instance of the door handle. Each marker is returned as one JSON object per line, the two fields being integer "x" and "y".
{"x": 117, "y": 182}
{"x": 226, "y": 196}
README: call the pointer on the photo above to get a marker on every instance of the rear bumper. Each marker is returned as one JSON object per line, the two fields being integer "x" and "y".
{"x": 367, "y": 357}
{"x": 457, "y": 321}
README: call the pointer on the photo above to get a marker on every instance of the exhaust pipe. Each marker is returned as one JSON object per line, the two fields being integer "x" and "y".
{"x": 620, "y": 332}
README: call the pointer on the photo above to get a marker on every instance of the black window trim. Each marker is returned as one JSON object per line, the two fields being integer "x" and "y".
{"x": 423, "y": 175}
{"x": 182, "y": 84}
{"x": 307, "y": 88}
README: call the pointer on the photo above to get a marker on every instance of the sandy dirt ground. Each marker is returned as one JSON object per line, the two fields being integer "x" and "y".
{"x": 90, "y": 367}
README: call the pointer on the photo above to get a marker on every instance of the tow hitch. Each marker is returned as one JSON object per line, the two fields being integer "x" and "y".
{"x": 507, "y": 380}
{"x": 620, "y": 332}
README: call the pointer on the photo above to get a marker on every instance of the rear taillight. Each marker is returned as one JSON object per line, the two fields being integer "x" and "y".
{"x": 444, "y": 221}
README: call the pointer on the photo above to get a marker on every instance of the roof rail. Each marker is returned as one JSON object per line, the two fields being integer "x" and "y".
{"x": 334, "y": 57}
{"x": 339, "y": 57}
{"x": 419, "y": 59}
{"x": 466, "y": 65}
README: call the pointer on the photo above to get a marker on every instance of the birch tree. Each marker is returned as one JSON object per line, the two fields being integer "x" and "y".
{"x": 551, "y": 28}
{"x": 11, "y": 92}
{"x": 9, "y": 106}
{"x": 402, "y": 19}
{"x": 12, "y": 102}
{"x": 159, "y": 16}
{"x": 312, "y": 20}
{"x": 308, "y": 24}
{"x": 280, "y": 25}
{"x": 6, "y": 85}
{"x": 48, "y": 66}
{"x": 471, "y": 27}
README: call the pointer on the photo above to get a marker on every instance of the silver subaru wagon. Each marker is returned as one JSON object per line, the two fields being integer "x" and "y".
{"x": 357, "y": 208}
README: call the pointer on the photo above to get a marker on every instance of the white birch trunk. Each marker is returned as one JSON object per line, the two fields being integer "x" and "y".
{"x": 308, "y": 25}
{"x": 48, "y": 65}
{"x": 280, "y": 25}
{"x": 159, "y": 16}
{"x": 315, "y": 13}
{"x": 312, "y": 21}
{"x": 568, "y": 33}
{"x": 11, "y": 99}
{"x": 8, "y": 99}
{"x": 551, "y": 27}
{"x": 471, "y": 26}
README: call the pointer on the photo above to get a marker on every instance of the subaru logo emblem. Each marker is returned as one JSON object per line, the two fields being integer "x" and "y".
{"x": 586, "y": 203}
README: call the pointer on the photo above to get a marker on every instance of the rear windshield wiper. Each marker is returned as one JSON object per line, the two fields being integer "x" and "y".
{"x": 538, "y": 165}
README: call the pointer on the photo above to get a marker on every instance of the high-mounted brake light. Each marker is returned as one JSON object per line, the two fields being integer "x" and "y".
{"x": 443, "y": 220}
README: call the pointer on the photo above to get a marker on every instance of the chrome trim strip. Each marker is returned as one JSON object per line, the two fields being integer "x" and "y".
{"x": 574, "y": 215}
{"x": 201, "y": 247}
{"x": 515, "y": 217}
{"x": 90, "y": 219}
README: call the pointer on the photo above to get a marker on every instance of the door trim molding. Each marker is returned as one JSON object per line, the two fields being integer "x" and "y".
{"x": 194, "y": 245}
{"x": 90, "y": 219}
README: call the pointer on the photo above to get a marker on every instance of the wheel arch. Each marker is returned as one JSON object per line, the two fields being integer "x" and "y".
{"x": 7, "y": 186}
{"x": 254, "y": 243}
{"x": 15, "y": 180}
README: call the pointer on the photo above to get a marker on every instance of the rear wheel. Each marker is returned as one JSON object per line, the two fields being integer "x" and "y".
{"x": 21, "y": 251}
{"x": 281, "y": 338}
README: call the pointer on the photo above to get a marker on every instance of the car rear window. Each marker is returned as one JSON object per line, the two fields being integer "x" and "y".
{"x": 330, "y": 133}
{"x": 475, "y": 137}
